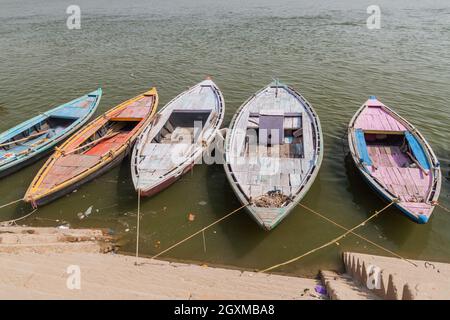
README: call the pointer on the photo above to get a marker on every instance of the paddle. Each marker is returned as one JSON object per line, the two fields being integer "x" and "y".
{"x": 107, "y": 136}
{"x": 24, "y": 139}
{"x": 417, "y": 163}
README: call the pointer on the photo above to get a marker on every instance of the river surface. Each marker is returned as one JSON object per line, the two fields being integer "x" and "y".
{"x": 322, "y": 48}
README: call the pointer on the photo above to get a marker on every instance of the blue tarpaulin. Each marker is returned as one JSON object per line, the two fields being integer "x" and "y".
{"x": 362, "y": 148}
{"x": 417, "y": 150}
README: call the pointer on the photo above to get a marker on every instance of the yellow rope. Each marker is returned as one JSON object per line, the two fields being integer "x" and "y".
{"x": 10, "y": 222}
{"x": 200, "y": 231}
{"x": 329, "y": 242}
{"x": 10, "y": 203}
{"x": 358, "y": 235}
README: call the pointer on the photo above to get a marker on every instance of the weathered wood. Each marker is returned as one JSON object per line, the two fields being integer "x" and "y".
{"x": 56, "y": 178}
{"x": 166, "y": 149}
{"x": 270, "y": 166}
{"x": 389, "y": 170}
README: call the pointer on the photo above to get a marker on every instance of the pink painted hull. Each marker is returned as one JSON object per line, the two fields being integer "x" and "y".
{"x": 390, "y": 169}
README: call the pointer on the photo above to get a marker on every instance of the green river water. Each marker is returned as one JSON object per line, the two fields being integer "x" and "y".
{"x": 322, "y": 48}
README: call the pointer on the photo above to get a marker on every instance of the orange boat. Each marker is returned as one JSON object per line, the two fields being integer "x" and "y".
{"x": 93, "y": 150}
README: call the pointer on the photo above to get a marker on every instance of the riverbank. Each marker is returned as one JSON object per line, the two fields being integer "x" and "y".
{"x": 52, "y": 263}
{"x": 34, "y": 264}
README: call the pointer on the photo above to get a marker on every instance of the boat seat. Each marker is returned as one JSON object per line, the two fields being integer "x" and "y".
{"x": 131, "y": 114}
{"x": 270, "y": 123}
{"x": 68, "y": 113}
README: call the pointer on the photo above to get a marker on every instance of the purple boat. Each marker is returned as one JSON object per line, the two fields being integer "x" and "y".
{"x": 395, "y": 159}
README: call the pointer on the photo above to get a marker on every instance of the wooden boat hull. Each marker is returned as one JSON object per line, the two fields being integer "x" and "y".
{"x": 70, "y": 188}
{"x": 77, "y": 119}
{"x": 291, "y": 113}
{"x": 95, "y": 149}
{"x": 165, "y": 184}
{"x": 153, "y": 168}
{"x": 395, "y": 160}
{"x": 25, "y": 163}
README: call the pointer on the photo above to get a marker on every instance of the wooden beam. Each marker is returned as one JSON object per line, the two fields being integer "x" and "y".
{"x": 417, "y": 163}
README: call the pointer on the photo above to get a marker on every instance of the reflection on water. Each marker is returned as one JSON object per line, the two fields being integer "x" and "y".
{"x": 323, "y": 49}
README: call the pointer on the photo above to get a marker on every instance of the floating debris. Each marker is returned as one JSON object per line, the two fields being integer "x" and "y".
{"x": 203, "y": 203}
{"x": 88, "y": 211}
{"x": 191, "y": 217}
{"x": 82, "y": 215}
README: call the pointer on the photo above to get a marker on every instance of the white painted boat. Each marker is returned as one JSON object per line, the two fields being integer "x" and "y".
{"x": 176, "y": 138}
{"x": 273, "y": 149}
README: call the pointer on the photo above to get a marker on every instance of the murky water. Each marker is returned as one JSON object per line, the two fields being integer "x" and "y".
{"x": 321, "y": 48}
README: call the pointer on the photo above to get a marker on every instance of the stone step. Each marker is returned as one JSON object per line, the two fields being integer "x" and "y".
{"x": 397, "y": 278}
{"x": 342, "y": 287}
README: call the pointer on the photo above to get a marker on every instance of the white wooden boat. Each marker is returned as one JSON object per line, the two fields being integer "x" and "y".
{"x": 274, "y": 149}
{"x": 176, "y": 138}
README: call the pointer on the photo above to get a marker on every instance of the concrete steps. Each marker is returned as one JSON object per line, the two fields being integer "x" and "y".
{"x": 395, "y": 279}
{"x": 44, "y": 240}
{"x": 342, "y": 287}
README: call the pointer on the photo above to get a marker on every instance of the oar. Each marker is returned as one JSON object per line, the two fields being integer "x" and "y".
{"x": 24, "y": 139}
{"x": 417, "y": 163}
{"x": 91, "y": 143}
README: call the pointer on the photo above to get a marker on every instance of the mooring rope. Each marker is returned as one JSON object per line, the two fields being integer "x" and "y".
{"x": 10, "y": 222}
{"x": 358, "y": 235}
{"x": 11, "y": 203}
{"x": 442, "y": 207}
{"x": 329, "y": 242}
{"x": 200, "y": 231}
{"x": 137, "y": 225}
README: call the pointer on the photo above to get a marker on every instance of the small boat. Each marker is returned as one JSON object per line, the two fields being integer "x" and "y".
{"x": 273, "y": 150}
{"x": 33, "y": 139}
{"x": 395, "y": 159}
{"x": 176, "y": 138}
{"x": 93, "y": 150}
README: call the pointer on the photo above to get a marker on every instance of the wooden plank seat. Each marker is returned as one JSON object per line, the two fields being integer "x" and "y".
{"x": 131, "y": 114}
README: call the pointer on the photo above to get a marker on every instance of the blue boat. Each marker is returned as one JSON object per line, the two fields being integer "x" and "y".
{"x": 34, "y": 138}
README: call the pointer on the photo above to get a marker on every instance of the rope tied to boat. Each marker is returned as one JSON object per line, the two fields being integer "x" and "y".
{"x": 333, "y": 241}
{"x": 199, "y": 231}
{"x": 11, "y": 222}
{"x": 436, "y": 203}
{"x": 358, "y": 235}
{"x": 138, "y": 224}
{"x": 11, "y": 203}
